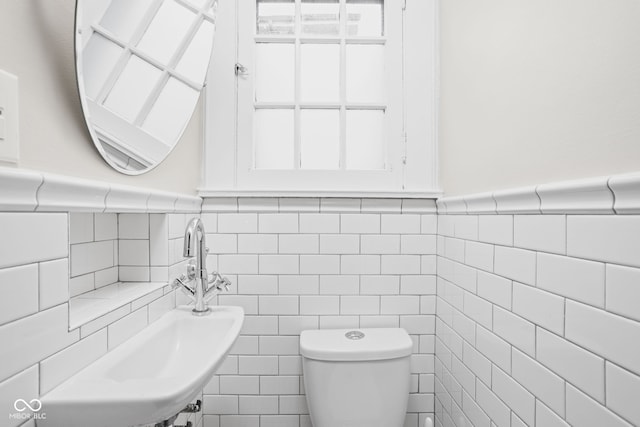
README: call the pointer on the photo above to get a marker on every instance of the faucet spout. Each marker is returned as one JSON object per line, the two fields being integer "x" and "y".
{"x": 191, "y": 237}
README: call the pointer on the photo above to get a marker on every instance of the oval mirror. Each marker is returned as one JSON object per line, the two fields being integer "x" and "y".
{"x": 141, "y": 66}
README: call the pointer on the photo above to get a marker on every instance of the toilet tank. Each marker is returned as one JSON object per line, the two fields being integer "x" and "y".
{"x": 356, "y": 378}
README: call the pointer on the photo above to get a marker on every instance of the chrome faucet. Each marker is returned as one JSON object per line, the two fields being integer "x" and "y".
{"x": 195, "y": 247}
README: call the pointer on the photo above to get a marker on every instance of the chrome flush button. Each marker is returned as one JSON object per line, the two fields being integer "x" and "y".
{"x": 354, "y": 335}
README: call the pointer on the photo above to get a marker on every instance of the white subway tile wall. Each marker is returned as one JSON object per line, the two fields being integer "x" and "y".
{"x": 538, "y": 322}
{"x": 317, "y": 263}
{"x": 516, "y": 320}
{"x": 38, "y": 350}
{"x": 93, "y": 248}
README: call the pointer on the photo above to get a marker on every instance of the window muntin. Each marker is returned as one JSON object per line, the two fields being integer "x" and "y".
{"x": 311, "y": 58}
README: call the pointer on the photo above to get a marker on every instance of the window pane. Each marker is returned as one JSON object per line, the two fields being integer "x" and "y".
{"x": 320, "y": 73}
{"x": 365, "y": 139}
{"x": 365, "y": 73}
{"x": 132, "y": 88}
{"x": 98, "y": 60}
{"x": 365, "y": 17}
{"x": 273, "y": 139}
{"x": 123, "y": 17}
{"x": 166, "y": 31}
{"x": 171, "y": 112}
{"x": 197, "y": 3}
{"x": 195, "y": 61}
{"x": 275, "y": 69}
{"x": 320, "y": 139}
{"x": 320, "y": 17}
{"x": 276, "y": 17}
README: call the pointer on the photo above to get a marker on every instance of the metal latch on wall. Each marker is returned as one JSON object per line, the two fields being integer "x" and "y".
{"x": 241, "y": 70}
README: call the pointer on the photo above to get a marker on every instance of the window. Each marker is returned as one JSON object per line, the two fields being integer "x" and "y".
{"x": 320, "y": 100}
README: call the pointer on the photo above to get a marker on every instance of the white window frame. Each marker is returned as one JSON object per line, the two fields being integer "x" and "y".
{"x": 411, "y": 113}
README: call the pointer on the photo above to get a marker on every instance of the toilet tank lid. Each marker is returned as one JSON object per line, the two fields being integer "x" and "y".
{"x": 355, "y": 344}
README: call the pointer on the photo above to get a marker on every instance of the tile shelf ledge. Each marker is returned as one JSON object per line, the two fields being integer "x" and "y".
{"x": 89, "y": 306}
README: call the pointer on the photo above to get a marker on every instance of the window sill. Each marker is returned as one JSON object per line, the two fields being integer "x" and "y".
{"x": 214, "y": 193}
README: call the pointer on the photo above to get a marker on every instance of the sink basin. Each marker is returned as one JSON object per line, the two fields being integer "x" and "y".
{"x": 150, "y": 377}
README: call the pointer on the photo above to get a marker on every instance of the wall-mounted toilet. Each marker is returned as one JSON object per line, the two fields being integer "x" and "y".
{"x": 356, "y": 378}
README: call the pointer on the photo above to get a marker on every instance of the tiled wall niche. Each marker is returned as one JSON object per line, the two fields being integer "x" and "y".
{"x": 537, "y": 317}
{"x": 317, "y": 263}
{"x": 94, "y": 251}
{"x": 126, "y": 247}
{"x": 119, "y": 258}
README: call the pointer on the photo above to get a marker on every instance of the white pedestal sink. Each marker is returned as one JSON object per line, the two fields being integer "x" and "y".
{"x": 150, "y": 377}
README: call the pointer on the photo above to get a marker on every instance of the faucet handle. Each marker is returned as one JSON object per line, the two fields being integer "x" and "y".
{"x": 213, "y": 278}
{"x": 179, "y": 281}
{"x": 223, "y": 283}
{"x": 218, "y": 282}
